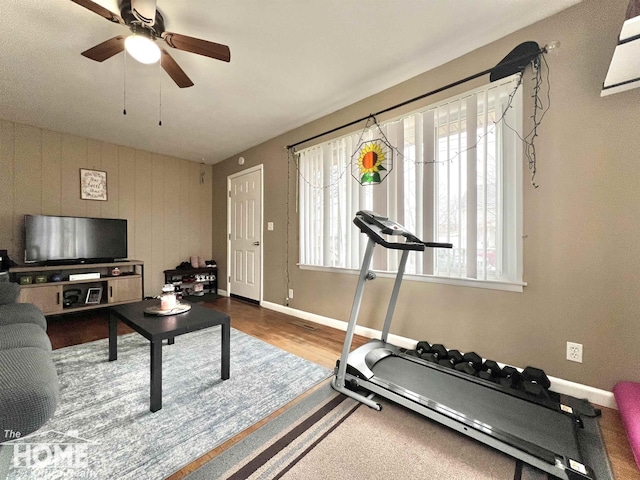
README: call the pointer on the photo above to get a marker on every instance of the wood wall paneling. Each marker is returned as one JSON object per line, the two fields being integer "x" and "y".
{"x": 7, "y": 153}
{"x": 206, "y": 209}
{"x": 143, "y": 221}
{"x": 74, "y": 157}
{"x": 28, "y": 169}
{"x": 126, "y": 189}
{"x": 110, "y": 164}
{"x": 94, "y": 162}
{"x": 172, "y": 209}
{"x": 194, "y": 209}
{"x": 51, "y": 187}
{"x": 27, "y": 180}
{"x": 185, "y": 246}
{"x": 154, "y": 273}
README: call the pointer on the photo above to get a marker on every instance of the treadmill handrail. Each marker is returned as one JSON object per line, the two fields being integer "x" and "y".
{"x": 375, "y": 225}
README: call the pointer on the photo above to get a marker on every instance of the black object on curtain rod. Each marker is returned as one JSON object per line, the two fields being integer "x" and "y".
{"x": 516, "y": 61}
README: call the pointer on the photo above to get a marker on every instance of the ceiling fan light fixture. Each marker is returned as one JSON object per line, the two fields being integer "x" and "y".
{"x": 142, "y": 48}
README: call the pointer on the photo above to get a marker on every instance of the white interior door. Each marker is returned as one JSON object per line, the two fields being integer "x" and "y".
{"x": 245, "y": 234}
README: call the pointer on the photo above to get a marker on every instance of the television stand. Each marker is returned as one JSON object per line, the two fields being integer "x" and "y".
{"x": 51, "y": 290}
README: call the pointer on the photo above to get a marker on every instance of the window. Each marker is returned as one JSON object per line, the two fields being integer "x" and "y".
{"x": 457, "y": 177}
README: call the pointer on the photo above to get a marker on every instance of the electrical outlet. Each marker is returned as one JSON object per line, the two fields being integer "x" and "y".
{"x": 574, "y": 352}
{"x": 291, "y": 293}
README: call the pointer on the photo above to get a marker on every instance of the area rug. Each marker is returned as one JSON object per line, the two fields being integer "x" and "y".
{"x": 328, "y": 435}
{"x": 103, "y": 427}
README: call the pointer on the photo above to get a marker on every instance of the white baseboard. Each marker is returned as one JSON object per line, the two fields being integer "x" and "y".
{"x": 223, "y": 293}
{"x": 559, "y": 385}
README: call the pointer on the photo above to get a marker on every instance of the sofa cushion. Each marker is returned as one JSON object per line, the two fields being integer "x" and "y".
{"x": 22, "y": 313}
{"x": 30, "y": 390}
{"x": 9, "y": 292}
{"x": 20, "y": 335}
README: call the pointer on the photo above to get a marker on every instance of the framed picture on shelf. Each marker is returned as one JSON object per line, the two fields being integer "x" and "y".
{"x": 94, "y": 295}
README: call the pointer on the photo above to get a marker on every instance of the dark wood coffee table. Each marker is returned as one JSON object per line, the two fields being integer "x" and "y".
{"x": 158, "y": 328}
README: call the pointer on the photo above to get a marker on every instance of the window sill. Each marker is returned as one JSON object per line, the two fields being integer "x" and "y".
{"x": 460, "y": 282}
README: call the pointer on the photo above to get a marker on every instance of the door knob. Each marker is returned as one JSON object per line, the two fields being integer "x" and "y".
{"x": 256, "y": 243}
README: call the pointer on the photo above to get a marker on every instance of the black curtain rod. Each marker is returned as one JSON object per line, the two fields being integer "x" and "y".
{"x": 507, "y": 61}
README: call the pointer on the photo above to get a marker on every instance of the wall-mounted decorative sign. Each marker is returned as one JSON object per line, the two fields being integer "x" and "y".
{"x": 93, "y": 185}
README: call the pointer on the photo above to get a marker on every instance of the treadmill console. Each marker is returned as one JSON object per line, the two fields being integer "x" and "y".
{"x": 375, "y": 225}
{"x": 386, "y": 226}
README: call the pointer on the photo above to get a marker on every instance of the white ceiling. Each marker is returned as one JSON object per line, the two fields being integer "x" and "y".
{"x": 292, "y": 61}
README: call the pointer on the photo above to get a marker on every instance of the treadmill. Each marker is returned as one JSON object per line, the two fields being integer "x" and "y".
{"x": 541, "y": 432}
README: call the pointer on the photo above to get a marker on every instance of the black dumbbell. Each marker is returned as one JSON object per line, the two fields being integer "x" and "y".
{"x": 471, "y": 363}
{"x": 535, "y": 389}
{"x": 490, "y": 370}
{"x": 429, "y": 357}
{"x": 473, "y": 359}
{"x": 436, "y": 353}
{"x": 440, "y": 351}
{"x": 423, "y": 347}
{"x": 411, "y": 353}
{"x": 453, "y": 357}
{"x": 535, "y": 375}
{"x": 535, "y": 382}
{"x": 510, "y": 377}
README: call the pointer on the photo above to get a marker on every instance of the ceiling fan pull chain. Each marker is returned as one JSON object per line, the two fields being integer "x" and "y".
{"x": 124, "y": 88}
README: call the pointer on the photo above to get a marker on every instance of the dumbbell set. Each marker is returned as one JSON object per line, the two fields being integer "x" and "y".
{"x": 531, "y": 380}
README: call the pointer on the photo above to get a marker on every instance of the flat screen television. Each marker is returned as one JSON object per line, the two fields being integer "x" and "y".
{"x": 58, "y": 240}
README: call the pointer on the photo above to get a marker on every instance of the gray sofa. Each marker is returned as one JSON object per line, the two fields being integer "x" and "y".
{"x": 29, "y": 389}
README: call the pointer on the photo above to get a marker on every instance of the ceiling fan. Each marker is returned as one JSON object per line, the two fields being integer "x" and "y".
{"x": 147, "y": 24}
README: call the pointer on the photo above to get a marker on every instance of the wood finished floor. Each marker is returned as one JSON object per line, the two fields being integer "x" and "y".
{"x": 316, "y": 343}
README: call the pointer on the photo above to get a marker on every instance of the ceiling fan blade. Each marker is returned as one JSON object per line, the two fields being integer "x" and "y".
{"x": 173, "y": 69}
{"x": 105, "y": 50}
{"x": 195, "y": 45}
{"x": 100, "y": 10}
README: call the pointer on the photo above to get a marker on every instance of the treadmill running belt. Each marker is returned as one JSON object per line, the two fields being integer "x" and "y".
{"x": 541, "y": 426}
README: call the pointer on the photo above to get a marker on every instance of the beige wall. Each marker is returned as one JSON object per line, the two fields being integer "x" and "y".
{"x": 582, "y": 226}
{"x": 167, "y": 208}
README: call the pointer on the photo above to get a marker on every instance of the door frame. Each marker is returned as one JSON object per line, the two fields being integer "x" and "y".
{"x": 229, "y": 180}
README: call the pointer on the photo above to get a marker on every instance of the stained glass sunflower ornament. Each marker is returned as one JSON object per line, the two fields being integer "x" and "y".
{"x": 372, "y": 161}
